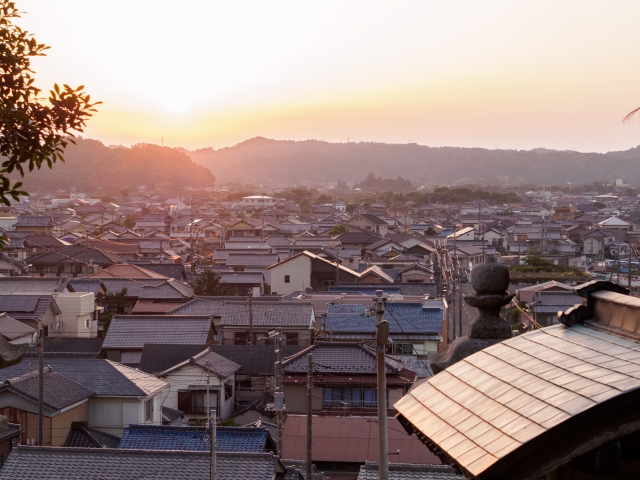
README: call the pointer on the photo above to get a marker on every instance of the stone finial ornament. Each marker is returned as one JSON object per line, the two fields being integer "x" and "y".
{"x": 11, "y": 354}
{"x": 490, "y": 280}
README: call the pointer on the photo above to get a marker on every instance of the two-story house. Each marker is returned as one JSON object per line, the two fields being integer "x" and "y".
{"x": 344, "y": 379}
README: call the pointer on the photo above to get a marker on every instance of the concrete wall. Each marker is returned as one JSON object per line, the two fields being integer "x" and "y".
{"x": 77, "y": 311}
{"x": 113, "y": 414}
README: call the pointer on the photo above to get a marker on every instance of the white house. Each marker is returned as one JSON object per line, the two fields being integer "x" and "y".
{"x": 77, "y": 316}
{"x": 189, "y": 380}
{"x": 307, "y": 270}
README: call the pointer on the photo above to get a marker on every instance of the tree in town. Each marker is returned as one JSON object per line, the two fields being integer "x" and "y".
{"x": 33, "y": 131}
{"x": 209, "y": 284}
{"x": 338, "y": 230}
{"x": 112, "y": 303}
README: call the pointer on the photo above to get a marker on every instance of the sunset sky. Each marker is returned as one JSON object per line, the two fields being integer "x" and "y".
{"x": 505, "y": 74}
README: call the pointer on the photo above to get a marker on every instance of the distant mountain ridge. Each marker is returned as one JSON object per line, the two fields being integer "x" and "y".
{"x": 263, "y": 160}
{"x": 90, "y": 164}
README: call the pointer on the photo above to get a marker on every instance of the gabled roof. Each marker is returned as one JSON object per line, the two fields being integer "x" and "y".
{"x": 104, "y": 377}
{"x": 416, "y": 266}
{"x": 12, "y": 329}
{"x": 126, "y": 271}
{"x": 228, "y": 439}
{"x": 378, "y": 272}
{"x": 208, "y": 360}
{"x": 133, "y": 331}
{"x": 82, "y": 436}
{"x": 90, "y": 285}
{"x": 60, "y": 463}
{"x": 170, "y": 270}
{"x": 253, "y": 359}
{"x": 74, "y": 254}
{"x": 313, "y": 256}
{"x": 372, "y": 218}
{"x": 151, "y": 288}
{"x": 614, "y": 222}
{"x": 268, "y": 314}
{"x": 339, "y": 358}
{"x": 59, "y": 391}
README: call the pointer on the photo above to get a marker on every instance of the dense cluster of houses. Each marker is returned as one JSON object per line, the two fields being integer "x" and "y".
{"x": 135, "y": 361}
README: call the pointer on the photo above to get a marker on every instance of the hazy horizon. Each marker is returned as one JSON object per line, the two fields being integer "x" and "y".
{"x": 467, "y": 74}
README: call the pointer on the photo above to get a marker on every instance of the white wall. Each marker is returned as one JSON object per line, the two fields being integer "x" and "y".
{"x": 113, "y": 414}
{"x": 76, "y": 308}
{"x": 299, "y": 271}
{"x": 193, "y": 375}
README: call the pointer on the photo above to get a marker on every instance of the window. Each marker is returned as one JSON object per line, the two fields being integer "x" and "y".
{"x": 192, "y": 402}
{"x": 240, "y": 338}
{"x": 400, "y": 349}
{"x": 228, "y": 391}
{"x": 291, "y": 338}
{"x": 349, "y": 397}
{"x": 148, "y": 410}
{"x": 87, "y": 323}
{"x": 287, "y": 279}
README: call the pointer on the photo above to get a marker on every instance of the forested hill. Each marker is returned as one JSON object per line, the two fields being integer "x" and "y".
{"x": 262, "y": 160}
{"x": 90, "y": 164}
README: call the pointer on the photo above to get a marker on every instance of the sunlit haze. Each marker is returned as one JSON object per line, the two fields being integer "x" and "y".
{"x": 465, "y": 73}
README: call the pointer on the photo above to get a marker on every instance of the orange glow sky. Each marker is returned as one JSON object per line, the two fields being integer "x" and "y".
{"x": 511, "y": 74}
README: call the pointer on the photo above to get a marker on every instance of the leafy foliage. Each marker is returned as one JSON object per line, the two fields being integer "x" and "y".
{"x": 378, "y": 183}
{"x": 32, "y": 132}
{"x": 209, "y": 284}
{"x": 338, "y": 229}
{"x": 111, "y": 303}
{"x": 537, "y": 265}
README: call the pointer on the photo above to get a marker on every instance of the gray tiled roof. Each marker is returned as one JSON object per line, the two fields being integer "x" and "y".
{"x": 74, "y": 254}
{"x": 27, "y": 307}
{"x": 207, "y": 359}
{"x": 11, "y": 329}
{"x": 133, "y": 331}
{"x": 281, "y": 314}
{"x": 252, "y": 259}
{"x": 242, "y": 278}
{"x": 407, "y": 471}
{"x": 199, "y": 306}
{"x": 81, "y": 436}
{"x": 59, "y": 463}
{"x": 32, "y": 285}
{"x": 34, "y": 221}
{"x": 150, "y": 288}
{"x": 59, "y": 391}
{"x": 254, "y": 359}
{"x": 171, "y": 270}
{"x": 338, "y": 358}
{"x": 102, "y": 376}
{"x": 91, "y": 285}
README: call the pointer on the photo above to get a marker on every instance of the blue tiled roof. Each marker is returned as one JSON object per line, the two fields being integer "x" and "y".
{"x": 229, "y": 439}
{"x": 402, "y": 317}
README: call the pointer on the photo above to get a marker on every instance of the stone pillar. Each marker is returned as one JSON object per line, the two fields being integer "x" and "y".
{"x": 490, "y": 280}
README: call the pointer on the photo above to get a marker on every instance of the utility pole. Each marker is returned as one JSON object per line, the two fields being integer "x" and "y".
{"x": 250, "y": 342}
{"x": 382, "y": 333}
{"x": 459, "y": 305}
{"x": 213, "y": 441}
{"x": 278, "y": 400}
{"x": 40, "y": 385}
{"x": 309, "y": 416}
{"x": 629, "y": 268}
